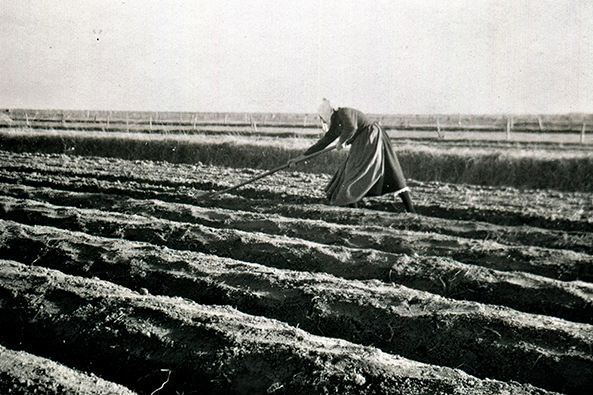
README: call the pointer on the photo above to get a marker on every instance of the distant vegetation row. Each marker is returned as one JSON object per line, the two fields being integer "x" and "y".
{"x": 511, "y": 165}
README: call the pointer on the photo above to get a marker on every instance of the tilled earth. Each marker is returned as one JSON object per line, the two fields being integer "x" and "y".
{"x": 119, "y": 277}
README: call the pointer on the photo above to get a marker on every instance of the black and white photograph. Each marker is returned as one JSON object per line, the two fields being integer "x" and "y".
{"x": 296, "y": 197}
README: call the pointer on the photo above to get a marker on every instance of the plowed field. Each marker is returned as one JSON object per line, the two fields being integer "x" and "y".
{"x": 116, "y": 276}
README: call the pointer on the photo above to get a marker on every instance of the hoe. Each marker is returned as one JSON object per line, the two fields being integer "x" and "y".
{"x": 302, "y": 159}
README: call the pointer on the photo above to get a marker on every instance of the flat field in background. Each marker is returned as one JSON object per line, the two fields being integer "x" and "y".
{"x": 519, "y": 151}
{"x": 568, "y": 128}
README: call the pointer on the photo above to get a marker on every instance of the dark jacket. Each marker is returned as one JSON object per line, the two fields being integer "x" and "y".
{"x": 345, "y": 123}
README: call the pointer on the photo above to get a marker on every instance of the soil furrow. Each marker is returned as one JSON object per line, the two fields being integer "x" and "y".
{"x": 80, "y": 184}
{"x": 559, "y": 264}
{"x": 444, "y": 276}
{"x": 511, "y": 207}
{"x": 511, "y": 235}
{"x": 144, "y": 341}
{"x": 24, "y": 373}
{"x": 333, "y": 216}
{"x": 280, "y": 191}
{"x": 546, "y": 262}
{"x": 104, "y": 176}
{"x": 414, "y": 324}
{"x": 488, "y": 253}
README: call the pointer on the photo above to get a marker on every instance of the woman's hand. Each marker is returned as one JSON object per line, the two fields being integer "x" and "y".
{"x": 292, "y": 162}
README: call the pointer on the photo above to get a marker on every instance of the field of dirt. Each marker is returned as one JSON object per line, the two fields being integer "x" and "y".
{"x": 117, "y": 276}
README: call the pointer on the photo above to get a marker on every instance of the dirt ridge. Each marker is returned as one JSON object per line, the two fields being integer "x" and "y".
{"x": 141, "y": 179}
{"x": 259, "y": 211}
{"x": 23, "y": 373}
{"x": 158, "y": 333}
{"x": 364, "y": 312}
{"x": 444, "y": 276}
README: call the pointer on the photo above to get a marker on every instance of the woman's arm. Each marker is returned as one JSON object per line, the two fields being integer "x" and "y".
{"x": 332, "y": 134}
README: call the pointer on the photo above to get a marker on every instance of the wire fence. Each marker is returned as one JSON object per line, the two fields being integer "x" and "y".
{"x": 420, "y": 126}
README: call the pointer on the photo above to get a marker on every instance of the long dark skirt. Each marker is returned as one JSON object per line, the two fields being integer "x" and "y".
{"x": 371, "y": 169}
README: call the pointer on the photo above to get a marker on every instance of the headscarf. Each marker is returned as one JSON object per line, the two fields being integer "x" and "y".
{"x": 325, "y": 112}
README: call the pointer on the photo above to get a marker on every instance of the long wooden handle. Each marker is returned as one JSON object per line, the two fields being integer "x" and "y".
{"x": 284, "y": 166}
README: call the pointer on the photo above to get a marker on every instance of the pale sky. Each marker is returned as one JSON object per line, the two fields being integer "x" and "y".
{"x": 379, "y": 56}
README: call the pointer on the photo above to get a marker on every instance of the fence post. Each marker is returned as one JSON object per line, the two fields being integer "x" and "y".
{"x": 541, "y": 126}
{"x": 253, "y": 125}
{"x": 439, "y": 127}
{"x": 509, "y": 127}
{"x": 583, "y": 133}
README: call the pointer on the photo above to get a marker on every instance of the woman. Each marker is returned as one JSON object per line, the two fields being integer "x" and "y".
{"x": 371, "y": 168}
